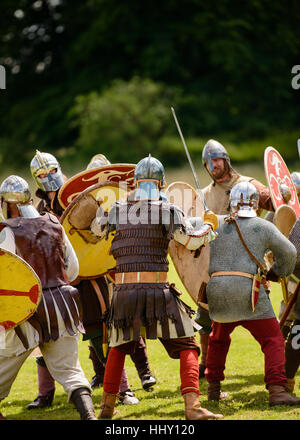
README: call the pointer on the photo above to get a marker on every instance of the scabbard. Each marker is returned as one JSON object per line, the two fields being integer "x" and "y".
{"x": 103, "y": 308}
{"x": 255, "y": 291}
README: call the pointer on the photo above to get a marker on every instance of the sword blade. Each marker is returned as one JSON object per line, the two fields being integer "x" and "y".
{"x": 190, "y": 160}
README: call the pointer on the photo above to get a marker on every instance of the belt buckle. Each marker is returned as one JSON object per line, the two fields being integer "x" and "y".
{"x": 138, "y": 277}
{"x": 157, "y": 277}
{"x": 123, "y": 278}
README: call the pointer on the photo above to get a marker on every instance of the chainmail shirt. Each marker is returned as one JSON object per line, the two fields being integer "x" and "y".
{"x": 229, "y": 297}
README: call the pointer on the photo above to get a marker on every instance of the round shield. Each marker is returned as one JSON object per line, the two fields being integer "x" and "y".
{"x": 191, "y": 266}
{"x": 284, "y": 219}
{"x": 20, "y": 290}
{"x": 92, "y": 251}
{"x": 81, "y": 181}
{"x": 278, "y": 177}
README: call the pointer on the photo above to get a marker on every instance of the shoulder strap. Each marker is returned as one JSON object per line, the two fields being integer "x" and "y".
{"x": 231, "y": 219}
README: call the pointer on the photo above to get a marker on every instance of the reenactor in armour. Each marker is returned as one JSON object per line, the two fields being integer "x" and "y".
{"x": 216, "y": 161}
{"x": 144, "y": 303}
{"x": 41, "y": 241}
{"x": 48, "y": 176}
{"x": 237, "y": 293}
{"x": 292, "y": 323}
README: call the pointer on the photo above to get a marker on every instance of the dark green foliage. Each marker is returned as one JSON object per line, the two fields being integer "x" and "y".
{"x": 230, "y": 60}
{"x": 126, "y": 122}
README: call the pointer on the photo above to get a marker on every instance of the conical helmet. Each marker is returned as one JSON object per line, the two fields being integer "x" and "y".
{"x": 14, "y": 189}
{"x": 99, "y": 160}
{"x": 46, "y": 172}
{"x": 244, "y": 199}
{"x": 296, "y": 180}
{"x": 149, "y": 178}
{"x": 214, "y": 150}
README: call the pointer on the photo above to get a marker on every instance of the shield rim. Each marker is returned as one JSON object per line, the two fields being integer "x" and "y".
{"x": 278, "y": 212}
{"x": 82, "y": 173}
{"x": 206, "y": 246}
{"x": 267, "y": 152}
{"x": 75, "y": 201}
{"x": 38, "y": 282}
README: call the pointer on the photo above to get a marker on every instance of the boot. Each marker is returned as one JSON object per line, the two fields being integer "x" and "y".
{"x": 278, "y": 396}
{"x": 204, "y": 347}
{"x": 42, "y": 401}
{"x": 107, "y": 406}
{"x": 290, "y": 385}
{"x": 215, "y": 393}
{"x": 147, "y": 381}
{"x": 128, "y": 398}
{"x": 97, "y": 381}
{"x": 193, "y": 410}
{"x": 82, "y": 400}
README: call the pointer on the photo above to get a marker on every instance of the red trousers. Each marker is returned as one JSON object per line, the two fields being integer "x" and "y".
{"x": 266, "y": 332}
{"x": 186, "y": 350}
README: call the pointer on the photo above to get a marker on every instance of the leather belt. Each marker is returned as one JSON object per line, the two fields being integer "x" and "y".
{"x": 141, "y": 277}
{"x": 240, "y": 274}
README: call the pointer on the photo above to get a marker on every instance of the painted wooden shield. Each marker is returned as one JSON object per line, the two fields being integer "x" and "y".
{"x": 284, "y": 219}
{"x": 109, "y": 173}
{"x": 20, "y": 290}
{"x": 277, "y": 174}
{"x": 192, "y": 267}
{"x": 92, "y": 251}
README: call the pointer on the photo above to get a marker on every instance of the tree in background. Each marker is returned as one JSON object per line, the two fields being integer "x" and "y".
{"x": 127, "y": 121}
{"x": 231, "y": 60}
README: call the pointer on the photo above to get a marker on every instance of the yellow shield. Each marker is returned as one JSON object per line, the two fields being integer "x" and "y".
{"x": 92, "y": 252}
{"x": 20, "y": 290}
{"x": 191, "y": 266}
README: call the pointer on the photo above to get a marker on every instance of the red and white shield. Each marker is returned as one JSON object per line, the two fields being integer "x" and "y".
{"x": 277, "y": 173}
{"x": 117, "y": 173}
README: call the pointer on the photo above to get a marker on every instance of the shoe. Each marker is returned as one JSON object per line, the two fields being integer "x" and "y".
{"x": 42, "y": 401}
{"x": 107, "y": 406}
{"x": 82, "y": 400}
{"x": 214, "y": 392}
{"x": 194, "y": 411}
{"x": 97, "y": 381}
{"x": 147, "y": 381}
{"x": 278, "y": 396}
{"x": 128, "y": 398}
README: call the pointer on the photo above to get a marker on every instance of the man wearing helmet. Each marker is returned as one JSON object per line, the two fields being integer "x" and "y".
{"x": 291, "y": 325}
{"x": 42, "y": 243}
{"x": 216, "y": 161}
{"x": 48, "y": 176}
{"x": 236, "y": 294}
{"x": 144, "y": 303}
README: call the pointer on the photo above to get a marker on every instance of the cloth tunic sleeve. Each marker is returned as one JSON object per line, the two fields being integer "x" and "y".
{"x": 7, "y": 239}
{"x": 70, "y": 259}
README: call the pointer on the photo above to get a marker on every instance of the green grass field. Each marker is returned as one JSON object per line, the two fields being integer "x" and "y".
{"x": 244, "y": 369}
{"x": 248, "y": 399}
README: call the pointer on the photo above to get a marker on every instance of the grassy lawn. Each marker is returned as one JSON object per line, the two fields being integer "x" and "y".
{"x": 248, "y": 399}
